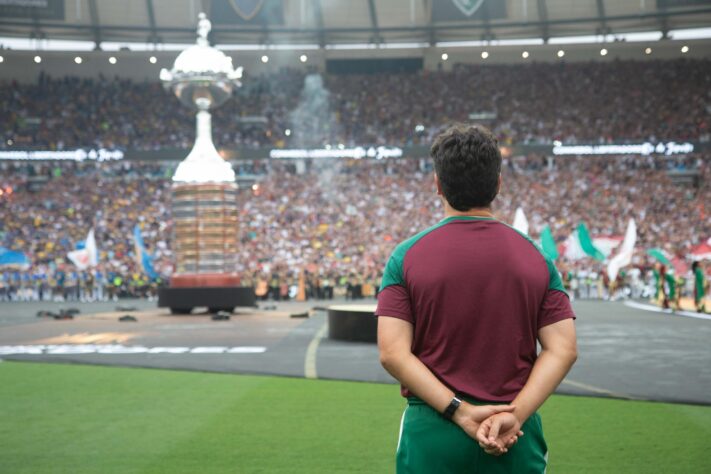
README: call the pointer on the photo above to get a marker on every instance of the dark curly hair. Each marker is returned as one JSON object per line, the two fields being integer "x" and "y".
{"x": 467, "y": 161}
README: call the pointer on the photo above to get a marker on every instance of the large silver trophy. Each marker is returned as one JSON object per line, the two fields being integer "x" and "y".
{"x": 204, "y": 189}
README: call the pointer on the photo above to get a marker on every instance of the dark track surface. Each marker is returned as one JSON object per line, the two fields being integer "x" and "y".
{"x": 623, "y": 352}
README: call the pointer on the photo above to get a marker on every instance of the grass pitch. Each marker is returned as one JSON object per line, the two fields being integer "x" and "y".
{"x": 88, "y": 419}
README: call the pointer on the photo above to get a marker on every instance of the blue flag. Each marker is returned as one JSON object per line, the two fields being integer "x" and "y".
{"x": 10, "y": 258}
{"x": 144, "y": 261}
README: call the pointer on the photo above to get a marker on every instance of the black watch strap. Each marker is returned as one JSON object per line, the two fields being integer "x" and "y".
{"x": 451, "y": 408}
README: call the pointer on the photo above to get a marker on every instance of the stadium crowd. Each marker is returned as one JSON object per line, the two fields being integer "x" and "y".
{"x": 333, "y": 224}
{"x": 531, "y": 103}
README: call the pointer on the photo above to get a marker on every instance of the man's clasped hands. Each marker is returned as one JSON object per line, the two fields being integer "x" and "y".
{"x": 494, "y": 427}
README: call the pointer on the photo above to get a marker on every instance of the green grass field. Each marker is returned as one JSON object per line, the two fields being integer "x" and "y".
{"x": 74, "y": 419}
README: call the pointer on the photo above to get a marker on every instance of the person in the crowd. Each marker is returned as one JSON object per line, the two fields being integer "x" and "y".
{"x": 701, "y": 286}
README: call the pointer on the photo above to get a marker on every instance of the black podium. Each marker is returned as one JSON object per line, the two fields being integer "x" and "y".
{"x": 355, "y": 323}
{"x": 183, "y": 300}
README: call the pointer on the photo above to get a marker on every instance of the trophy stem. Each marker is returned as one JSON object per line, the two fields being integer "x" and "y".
{"x": 203, "y": 122}
{"x": 203, "y": 134}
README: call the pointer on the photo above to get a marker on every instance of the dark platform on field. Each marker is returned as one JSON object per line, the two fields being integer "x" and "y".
{"x": 623, "y": 352}
{"x": 353, "y": 323}
{"x": 183, "y": 300}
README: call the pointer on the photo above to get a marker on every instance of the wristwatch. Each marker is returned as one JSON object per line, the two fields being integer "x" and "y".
{"x": 451, "y": 408}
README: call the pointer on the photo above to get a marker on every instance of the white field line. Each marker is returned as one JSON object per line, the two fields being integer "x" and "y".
{"x": 310, "y": 361}
{"x": 657, "y": 309}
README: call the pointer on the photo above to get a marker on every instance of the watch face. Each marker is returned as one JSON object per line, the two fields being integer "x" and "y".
{"x": 451, "y": 408}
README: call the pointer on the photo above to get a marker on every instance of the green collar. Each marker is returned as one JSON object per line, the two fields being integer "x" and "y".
{"x": 467, "y": 218}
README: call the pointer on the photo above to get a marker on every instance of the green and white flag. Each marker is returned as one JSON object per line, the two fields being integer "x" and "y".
{"x": 520, "y": 222}
{"x": 624, "y": 257}
{"x": 548, "y": 243}
{"x": 580, "y": 245}
{"x": 659, "y": 255}
{"x": 587, "y": 245}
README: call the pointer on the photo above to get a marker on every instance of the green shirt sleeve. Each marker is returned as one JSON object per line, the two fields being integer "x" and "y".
{"x": 554, "y": 280}
{"x": 393, "y": 269}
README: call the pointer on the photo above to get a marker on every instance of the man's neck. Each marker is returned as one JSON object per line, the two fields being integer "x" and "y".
{"x": 449, "y": 211}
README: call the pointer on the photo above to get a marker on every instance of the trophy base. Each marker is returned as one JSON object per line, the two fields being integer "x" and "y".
{"x": 193, "y": 280}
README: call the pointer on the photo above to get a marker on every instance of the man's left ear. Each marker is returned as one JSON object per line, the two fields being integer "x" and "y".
{"x": 438, "y": 185}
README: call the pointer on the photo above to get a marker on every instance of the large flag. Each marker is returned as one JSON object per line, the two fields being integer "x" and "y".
{"x": 548, "y": 243}
{"x": 520, "y": 222}
{"x": 624, "y": 257}
{"x": 463, "y": 10}
{"x": 11, "y": 258}
{"x": 247, "y": 12}
{"x": 143, "y": 260}
{"x": 87, "y": 254}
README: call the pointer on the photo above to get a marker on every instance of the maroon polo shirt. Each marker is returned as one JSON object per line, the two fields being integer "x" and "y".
{"x": 476, "y": 292}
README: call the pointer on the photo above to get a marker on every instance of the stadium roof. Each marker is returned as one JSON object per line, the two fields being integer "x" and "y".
{"x": 169, "y": 24}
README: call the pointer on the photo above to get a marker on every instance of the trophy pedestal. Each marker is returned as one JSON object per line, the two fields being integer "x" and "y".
{"x": 353, "y": 323}
{"x": 218, "y": 292}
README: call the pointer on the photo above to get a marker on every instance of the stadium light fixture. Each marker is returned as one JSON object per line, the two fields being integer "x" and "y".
{"x": 303, "y": 58}
{"x": 38, "y": 59}
{"x": 265, "y": 59}
{"x": 242, "y": 47}
{"x": 291, "y": 47}
{"x": 591, "y": 39}
{"x": 46, "y": 44}
{"x": 561, "y": 53}
{"x": 638, "y": 36}
{"x": 403, "y": 45}
{"x": 484, "y": 54}
{"x": 133, "y": 46}
{"x": 112, "y": 60}
{"x": 690, "y": 33}
{"x": 480, "y": 43}
{"x": 517, "y": 42}
{"x": 351, "y": 46}
{"x": 445, "y": 56}
{"x": 648, "y": 51}
{"x": 153, "y": 59}
{"x": 603, "y": 52}
{"x": 684, "y": 49}
{"x": 524, "y": 55}
{"x": 581, "y": 39}
{"x": 78, "y": 59}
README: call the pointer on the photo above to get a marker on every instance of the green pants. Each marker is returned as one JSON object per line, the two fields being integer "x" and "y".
{"x": 431, "y": 444}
